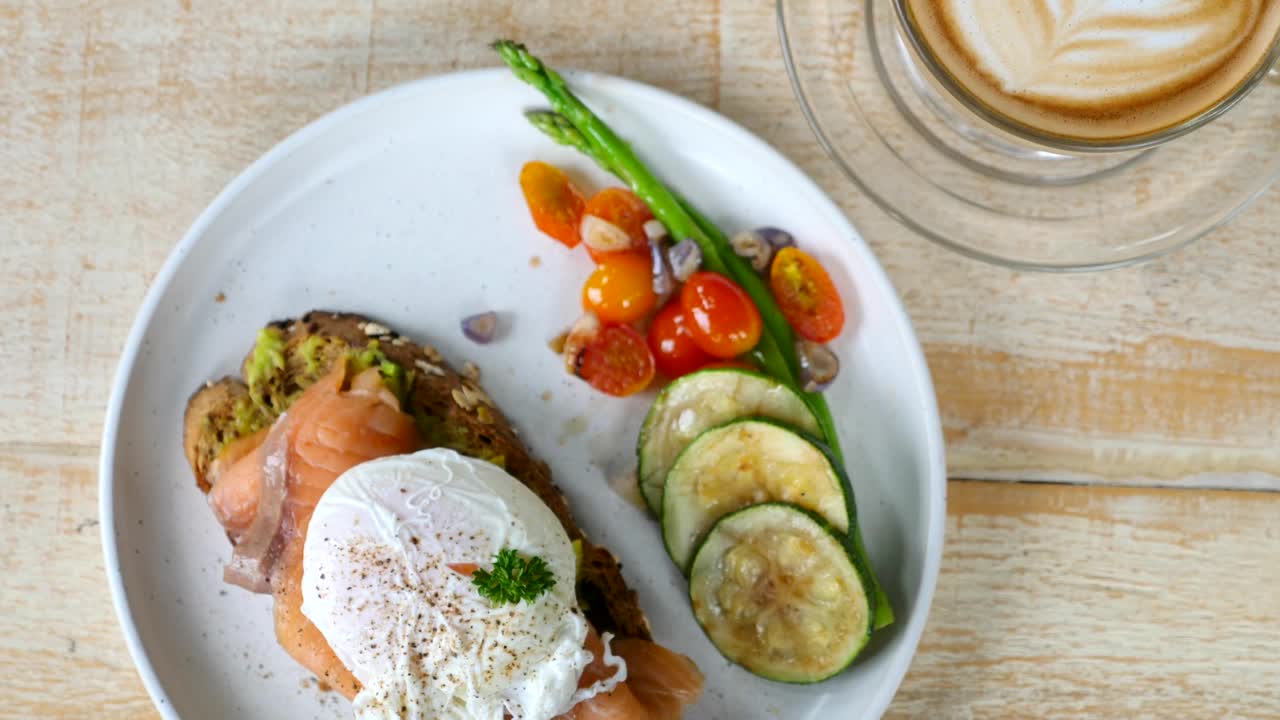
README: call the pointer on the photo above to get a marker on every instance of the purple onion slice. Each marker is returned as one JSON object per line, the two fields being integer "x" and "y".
{"x": 819, "y": 366}
{"x": 685, "y": 258}
{"x": 481, "y": 327}
{"x": 663, "y": 283}
{"x": 776, "y": 238}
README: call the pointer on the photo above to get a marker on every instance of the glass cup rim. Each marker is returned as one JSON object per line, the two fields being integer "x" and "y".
{"x": 1059, "y": 142}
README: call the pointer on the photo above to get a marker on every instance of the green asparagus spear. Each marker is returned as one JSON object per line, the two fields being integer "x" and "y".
{"x": 574, "y": 124}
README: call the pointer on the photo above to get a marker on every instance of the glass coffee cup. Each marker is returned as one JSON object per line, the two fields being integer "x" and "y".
{"x": 1105, "y": 76}
{"x": 994, "y": 136}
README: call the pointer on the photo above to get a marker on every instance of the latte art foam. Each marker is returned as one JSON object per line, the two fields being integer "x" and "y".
{"x": 1097, "y": 69}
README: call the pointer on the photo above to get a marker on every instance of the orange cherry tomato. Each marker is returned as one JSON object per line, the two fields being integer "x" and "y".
{"x": 617, "y": 362}
{"x": 806, "y": 296}
{"x": 620, "y": 289}
{"x": 673, "y": 346}
{"x": 624, "y": 210}
{"x": 556, "y": 205}
{"x": 723, "y": 320}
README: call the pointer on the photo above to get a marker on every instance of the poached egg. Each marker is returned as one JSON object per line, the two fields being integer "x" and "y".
{"x": 386, "y": 566}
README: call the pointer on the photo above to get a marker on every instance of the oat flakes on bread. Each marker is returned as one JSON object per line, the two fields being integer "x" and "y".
{"x": 451, "y": 411}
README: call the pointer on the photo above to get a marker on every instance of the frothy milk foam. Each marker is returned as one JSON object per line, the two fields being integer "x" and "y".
{"x": 1098, "y": 69}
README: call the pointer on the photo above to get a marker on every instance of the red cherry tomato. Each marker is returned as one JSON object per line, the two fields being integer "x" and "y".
{"x": 556, "y": 205}
{"x": 729, "y": 365}
{"x": 625, "y": 211}
{"x": 672, "y": 344}
{"x": 723, "y": 320}
{"x": 806, "y": 296}
{"x": 620, "y": 289}
{"x": 617, "y": 362}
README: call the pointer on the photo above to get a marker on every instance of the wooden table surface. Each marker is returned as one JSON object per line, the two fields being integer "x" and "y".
{"x": 1113, "y": 535}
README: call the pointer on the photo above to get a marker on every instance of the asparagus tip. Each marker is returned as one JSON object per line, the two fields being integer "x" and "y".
{"x": 516, "y": 55}
{"x": 548, "y": 119}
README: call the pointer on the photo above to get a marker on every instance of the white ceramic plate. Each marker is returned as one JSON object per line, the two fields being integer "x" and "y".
{"x": 405, "y": 207}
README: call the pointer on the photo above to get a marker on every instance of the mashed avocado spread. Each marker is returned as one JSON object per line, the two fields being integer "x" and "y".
{"x": 277, "y": 372}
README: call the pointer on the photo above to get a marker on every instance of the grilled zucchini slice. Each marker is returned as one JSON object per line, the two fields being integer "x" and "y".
{"x": 703, "y": 400}
{"x": 745, "y": 462}
{"x": 779, "y": 592}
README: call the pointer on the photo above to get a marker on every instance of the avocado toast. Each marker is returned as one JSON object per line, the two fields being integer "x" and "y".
{"x": 449, "y": 410}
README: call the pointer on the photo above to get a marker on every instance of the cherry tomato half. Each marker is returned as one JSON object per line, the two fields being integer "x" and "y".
{"x": 673, "y": 346}
{"x": 620, "y": 289}
{"x": 617, "y": 362}
{"x": 806, "y": 296}
{"x": 729, "y": 365}
{"x": 556, "y": 205}
{"x": 625, "y": 211}
{"x": 723, "y": 320}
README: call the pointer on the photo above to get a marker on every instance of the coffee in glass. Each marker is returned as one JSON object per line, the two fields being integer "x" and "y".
{"x": 1095, "y": 74}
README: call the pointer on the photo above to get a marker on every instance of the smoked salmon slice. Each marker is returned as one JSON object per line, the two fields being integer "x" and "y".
{"x": 659, "y": 685}
{"x": 664, "y": 682}
{"x": 619, "y": 704}
{"x": 333, "y": 426}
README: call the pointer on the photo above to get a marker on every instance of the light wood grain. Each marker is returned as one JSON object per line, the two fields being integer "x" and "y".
{"x": 61, "y": 651}
{"x": 1065, "y": 601}
{"x": 120, "y": 121}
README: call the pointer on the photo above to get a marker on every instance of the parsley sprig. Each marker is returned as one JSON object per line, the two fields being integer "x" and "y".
{"x": 514, "y": 578}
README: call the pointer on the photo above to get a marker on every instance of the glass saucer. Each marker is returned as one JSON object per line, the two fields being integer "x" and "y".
{"x": 994, "y": 197}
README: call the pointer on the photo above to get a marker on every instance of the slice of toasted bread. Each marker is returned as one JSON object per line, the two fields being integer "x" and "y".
{"x": 452, "y": 411}
{"x": 209, "y": 424}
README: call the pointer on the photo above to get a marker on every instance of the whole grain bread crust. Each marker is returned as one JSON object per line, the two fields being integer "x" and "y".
{"x": 459, "y": 404}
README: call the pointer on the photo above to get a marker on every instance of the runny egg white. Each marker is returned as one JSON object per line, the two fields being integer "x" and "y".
{"x": 417, "y": 634}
